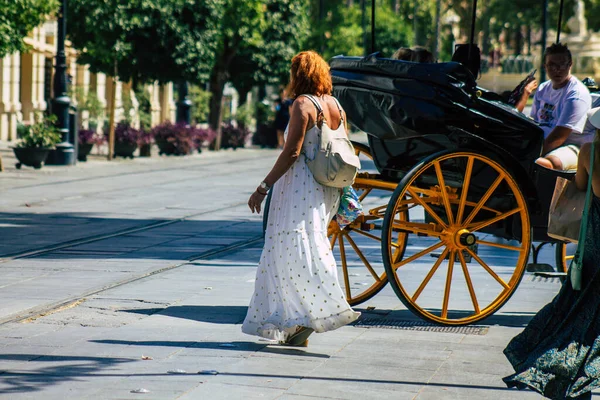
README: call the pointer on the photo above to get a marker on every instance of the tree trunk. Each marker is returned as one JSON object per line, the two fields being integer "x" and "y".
{"x": 218, "y": 78}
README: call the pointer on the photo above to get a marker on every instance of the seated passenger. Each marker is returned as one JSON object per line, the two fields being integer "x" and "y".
{"x": 403, "y": 53}
{"x": 416, "y": 54}
{"x": 560, "y": 106}
{"x": 422, "y": 55}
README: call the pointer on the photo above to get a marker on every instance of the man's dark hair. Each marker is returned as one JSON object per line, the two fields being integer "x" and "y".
{"x": 558, "y": 48}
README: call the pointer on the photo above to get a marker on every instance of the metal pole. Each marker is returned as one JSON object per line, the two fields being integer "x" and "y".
{"x": 472, "y": 37}
{"x": 544, "y": 38}
{"x": 184, "y": 105}
{"x": 64, "y": 153}
{"x": 363, "y": 8}
{"x": 372, "y": 26}
{"x": 560, "y": 16}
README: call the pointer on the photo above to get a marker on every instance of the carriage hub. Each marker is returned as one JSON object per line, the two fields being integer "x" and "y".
{"x": 466, "y": 238}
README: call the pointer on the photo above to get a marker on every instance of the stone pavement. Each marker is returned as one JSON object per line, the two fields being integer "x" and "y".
{"x": 123, "y": 280}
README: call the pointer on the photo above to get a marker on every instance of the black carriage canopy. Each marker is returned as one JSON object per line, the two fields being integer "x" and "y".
{"x": 393, "y": 100}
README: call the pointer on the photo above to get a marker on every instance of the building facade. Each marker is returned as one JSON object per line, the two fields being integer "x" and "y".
{"x": 26, "y": 86}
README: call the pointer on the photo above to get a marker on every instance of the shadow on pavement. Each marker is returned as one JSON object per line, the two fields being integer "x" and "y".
{"x": 22, "y": 381}
{"x": 106, "y": 238}
{"x": 212, "y": 314}
{"x": 235, "y": 346}
{"x": 514, "y": 320}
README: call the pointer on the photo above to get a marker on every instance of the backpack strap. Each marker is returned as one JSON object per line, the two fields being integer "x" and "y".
{"x": 320, "y": 116}
{"x": 339, "y": 106}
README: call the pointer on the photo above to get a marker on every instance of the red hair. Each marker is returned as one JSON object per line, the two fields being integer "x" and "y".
{"x": 309, "y": 75}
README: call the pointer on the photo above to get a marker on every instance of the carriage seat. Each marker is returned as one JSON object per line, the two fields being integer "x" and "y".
{"x": 449, "y": 74}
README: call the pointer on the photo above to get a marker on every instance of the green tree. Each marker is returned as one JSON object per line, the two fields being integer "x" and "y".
{"x": 269, "y": 63}
{"x": 163, "y": 40}
{"x": 253, "y": 34}
{"x": 18, "y": 18}
{"x": 338, "y": 29}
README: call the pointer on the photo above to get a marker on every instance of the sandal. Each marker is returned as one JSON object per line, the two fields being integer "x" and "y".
{"x": 299, "y": 338}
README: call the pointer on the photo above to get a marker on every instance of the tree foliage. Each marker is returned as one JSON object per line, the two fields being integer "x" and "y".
{"x": 268, "y": 62}
{"x": 257, "y": 40}
{"x": 18, "y": 18}
{"x": 164, "y": 40}
{"x": 338, "y": 28}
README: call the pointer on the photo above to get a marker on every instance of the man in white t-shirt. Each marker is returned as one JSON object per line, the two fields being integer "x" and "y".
{"x": 560, "y": 106}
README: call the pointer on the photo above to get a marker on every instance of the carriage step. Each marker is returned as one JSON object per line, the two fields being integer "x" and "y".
{"x": 540, "y": 267}
{"x": 561, "y": 275}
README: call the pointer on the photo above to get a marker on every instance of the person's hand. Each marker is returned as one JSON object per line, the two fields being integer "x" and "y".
{"x": 530, "y": 87}
{"x": 255, "y": 201}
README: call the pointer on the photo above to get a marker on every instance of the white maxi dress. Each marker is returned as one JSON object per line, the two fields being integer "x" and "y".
{"x": 297, "y": 280}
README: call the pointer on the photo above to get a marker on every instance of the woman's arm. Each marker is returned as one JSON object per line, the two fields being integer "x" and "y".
{"x": 303, "y": 115}
{"x": 583, "y": 164}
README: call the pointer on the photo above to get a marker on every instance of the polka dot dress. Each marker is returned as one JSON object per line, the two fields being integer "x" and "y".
{"x": 296, "y": 280}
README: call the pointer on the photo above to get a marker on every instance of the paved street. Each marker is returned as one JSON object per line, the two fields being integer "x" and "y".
{"x": 125, "y": 279}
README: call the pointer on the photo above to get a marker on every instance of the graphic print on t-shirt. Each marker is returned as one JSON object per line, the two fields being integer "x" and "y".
{"x": 546, "y": 115}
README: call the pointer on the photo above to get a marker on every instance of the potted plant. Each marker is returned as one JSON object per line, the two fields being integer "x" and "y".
{"x": 87, "y": 139}
{"x": 35, "y": 141}
{"x": 145, "y": 142}
{"x": 234, "y": 137}
{"x": 203, "y": 137}
{"x": 126, "y": 139}
{"x": 174, "y": 139}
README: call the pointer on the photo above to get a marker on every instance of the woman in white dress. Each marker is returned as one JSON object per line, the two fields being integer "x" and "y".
{"x": 297, "y": 290}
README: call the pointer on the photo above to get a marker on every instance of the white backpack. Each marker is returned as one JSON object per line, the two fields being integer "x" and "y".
{"x": 335, "y": 162}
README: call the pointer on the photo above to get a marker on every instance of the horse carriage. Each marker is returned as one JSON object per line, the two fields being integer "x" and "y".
{"x": 453, "y": 200}
{"x": 463, "y": 189}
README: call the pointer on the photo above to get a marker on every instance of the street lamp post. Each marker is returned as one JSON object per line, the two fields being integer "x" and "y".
{"x": 64, "y": 153}
{"x": 184, "y": 105}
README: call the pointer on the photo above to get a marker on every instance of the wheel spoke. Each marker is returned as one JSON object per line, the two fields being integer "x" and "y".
{"x": 418, "y": 199}
{"x": 465, "y": 190}
{"x": 488, "y": 269}
{"x": 495, "y": 219}
{"x": 364, "y": 194}
{"x": 500, "y": 246}
{"x": 429, "y": 275}
{"x": 463, "y": 264}
{"x": 344, "y": 266}
{"x": 418, "y": 255}
{"x": 416, "y": 228}
{"x": 442, "y": 183}
{"x": 363, "y": 258}
{"x": 333, "y": 239}
{"x": 369, "y": 235}
{"x": 484, "y": 199}
{"x": 448, "y": 284}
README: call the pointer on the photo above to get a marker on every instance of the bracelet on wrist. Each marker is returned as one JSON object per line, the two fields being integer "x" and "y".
{"x": 261, "y": 193}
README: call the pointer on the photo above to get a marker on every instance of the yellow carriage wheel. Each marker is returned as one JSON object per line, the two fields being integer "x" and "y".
{"x": 564, "y": 254}
{"x": 357, "y": 246}
{"x": 454, "y": 270}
